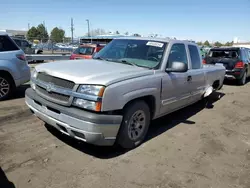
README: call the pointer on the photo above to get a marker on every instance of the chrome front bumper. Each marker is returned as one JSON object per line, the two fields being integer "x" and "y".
{"x": 98, "y": 129}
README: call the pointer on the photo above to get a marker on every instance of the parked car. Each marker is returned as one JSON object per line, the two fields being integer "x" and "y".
{"x": 26, "y": 46}
{"x": 236, "y": 60}
{"x": 113, "y": 97}
{"x": 86, "y": 51}
{"x": 14, "y": 69}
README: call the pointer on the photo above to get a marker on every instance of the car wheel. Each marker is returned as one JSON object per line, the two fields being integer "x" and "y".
{"x": 6, "y": 86}
{"x": 134, "y": 125}
{"x": 243, "y": 79}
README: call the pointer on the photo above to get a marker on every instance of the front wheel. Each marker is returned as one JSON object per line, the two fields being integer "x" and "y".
{"x": 243, "y": 79}
{"x": 134, "y": 125}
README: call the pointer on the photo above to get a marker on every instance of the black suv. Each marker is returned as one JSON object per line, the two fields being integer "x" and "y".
{"x": 236, "y": 60}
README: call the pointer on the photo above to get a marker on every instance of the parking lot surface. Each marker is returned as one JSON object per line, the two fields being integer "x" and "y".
{"x": 193, "y": 147}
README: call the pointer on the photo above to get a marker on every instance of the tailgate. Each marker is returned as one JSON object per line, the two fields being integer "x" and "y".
{"x": 228, "y": 63}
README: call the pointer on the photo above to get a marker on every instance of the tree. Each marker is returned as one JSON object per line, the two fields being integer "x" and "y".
{"x": 126, "y": 33}
{"x": 42, "y": 33}
{"x": 117, "y": 32}
{"x": 67, "y": 39}
{"x": 199, "y": 43}
{"x": 136, "y": 35}
{"x": 38, "y": 33}
{"x": 57, "y": 35}
{"x": 229, "y": 43}
{"x": 32, "y": 34}
{"x": 217, "y": 43}
{"x": 206, "y": 43}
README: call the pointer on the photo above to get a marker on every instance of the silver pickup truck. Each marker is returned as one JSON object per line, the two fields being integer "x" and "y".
{"x": 113, "y": 97}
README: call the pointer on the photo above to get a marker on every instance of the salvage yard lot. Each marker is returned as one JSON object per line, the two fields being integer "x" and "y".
{"x": 193, "y": 147}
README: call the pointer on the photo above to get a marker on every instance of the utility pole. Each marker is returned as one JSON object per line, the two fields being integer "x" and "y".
{"x": 72, "y": 30}
{"x": 89, "y": 30}
{"x": 44, "y": 30}
{"x": 28, "y": 26}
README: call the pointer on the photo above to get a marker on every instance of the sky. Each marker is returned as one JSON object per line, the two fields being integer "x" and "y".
{"x": 200, "y": 20}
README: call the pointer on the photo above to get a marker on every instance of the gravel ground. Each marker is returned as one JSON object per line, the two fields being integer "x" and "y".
{"x": 195, "y": 147}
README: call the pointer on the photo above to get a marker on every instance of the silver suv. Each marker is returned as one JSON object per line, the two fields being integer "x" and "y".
{"x": 14, "y": 69}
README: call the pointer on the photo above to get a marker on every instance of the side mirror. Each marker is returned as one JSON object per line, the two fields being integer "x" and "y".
{"x": 178, "y": 67}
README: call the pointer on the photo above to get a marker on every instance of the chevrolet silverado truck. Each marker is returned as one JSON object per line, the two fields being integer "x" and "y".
{"x": 112, "y": 98}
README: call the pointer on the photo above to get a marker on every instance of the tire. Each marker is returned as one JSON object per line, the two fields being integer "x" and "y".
{"x": 7, "y": 86}
{"x": 242, "y": 80}
{"x": 130, "y": 134}
{"x": 39, "y": 61}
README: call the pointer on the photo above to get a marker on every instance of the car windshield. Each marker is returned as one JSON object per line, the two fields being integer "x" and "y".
{"x": 224, "y": 53}
{"x": 84, "y": 50}
{"x": 143, "y": 53}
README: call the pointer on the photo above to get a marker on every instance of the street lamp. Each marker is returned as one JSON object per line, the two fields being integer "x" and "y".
{"x": 87, "y": 20}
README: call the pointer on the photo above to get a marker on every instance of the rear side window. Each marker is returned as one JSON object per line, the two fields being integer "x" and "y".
{"x": 84, "y": 51}
{"x": 6, "y": 44}
{"x": 18, "y": 42}
{"x": 195, "y": 57}
{"x": 25, "y": 43}
{"x": 245, "y": 55}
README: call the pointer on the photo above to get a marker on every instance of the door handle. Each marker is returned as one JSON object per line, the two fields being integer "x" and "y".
{"x": 189, "y": 78}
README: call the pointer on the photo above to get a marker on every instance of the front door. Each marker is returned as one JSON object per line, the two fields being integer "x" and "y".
{"x": 175, "y": 86}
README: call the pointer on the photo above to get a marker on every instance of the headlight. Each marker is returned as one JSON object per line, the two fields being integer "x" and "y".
{"x": 91, "y": 90}
{"x": 94, "y": 90}
{"x": 34, "y": 73}
{"x": 33, "y": 76}
{"x": 90, "y": 105}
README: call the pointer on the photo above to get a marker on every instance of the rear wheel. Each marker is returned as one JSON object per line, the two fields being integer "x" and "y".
{"x": 6, "y": 86}
{"x": 135, "y": 125}
{"x": 243, "y": 79}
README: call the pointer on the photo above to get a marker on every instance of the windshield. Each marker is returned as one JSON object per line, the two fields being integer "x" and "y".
{"x": 224, "y": 53}
{"x": 142, "y": 53}
{"x": 83, "y": 50}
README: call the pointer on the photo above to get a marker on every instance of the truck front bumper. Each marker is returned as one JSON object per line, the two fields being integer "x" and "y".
{"x": 97, "y": 129}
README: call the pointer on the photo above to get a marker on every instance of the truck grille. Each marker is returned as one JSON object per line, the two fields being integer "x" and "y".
{"x": 53, "y": 95}
{"x": 56, "y": 81}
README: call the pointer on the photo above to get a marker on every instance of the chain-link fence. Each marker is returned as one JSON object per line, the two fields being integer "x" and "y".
{"x": 48, "y": 46}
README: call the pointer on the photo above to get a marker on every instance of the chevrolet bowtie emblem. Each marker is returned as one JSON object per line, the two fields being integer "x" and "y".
{"x": 49, "y": 87}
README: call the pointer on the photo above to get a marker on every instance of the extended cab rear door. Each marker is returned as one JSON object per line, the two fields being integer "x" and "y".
{"x": 195, "y": 73}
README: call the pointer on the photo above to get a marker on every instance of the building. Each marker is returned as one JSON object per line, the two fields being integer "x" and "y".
{"x": 242, "y": 44}
{"x": 16, "y": 33}
{"x": 98, "y": 38}
{"x": 238, "y": 43}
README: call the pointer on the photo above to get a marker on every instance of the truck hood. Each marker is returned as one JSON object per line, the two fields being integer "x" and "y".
{"x": 91, "y": 71}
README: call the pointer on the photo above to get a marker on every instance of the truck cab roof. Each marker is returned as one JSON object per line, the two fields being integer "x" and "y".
{"x": 158, "y": 40}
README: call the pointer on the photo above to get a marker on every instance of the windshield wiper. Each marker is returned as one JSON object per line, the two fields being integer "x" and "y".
{"x": 127, "y": 62}
{"x": 104, "y": 59}
{"x": 99, "y": 58}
